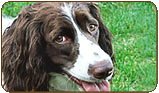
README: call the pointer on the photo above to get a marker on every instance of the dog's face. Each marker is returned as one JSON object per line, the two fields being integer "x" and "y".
{"x": 69, "y": 35}
{"x": 73, "y": 42}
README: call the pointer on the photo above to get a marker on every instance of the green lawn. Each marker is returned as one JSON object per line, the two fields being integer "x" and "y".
{"x": 133, "y": 25}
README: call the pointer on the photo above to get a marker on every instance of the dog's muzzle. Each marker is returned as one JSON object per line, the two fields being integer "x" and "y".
{"x": 101, "y": 70}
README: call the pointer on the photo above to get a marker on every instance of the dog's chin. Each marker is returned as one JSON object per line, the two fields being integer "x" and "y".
{"x": 92, "y": 84}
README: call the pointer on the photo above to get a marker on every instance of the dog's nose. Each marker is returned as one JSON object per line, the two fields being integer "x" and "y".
{"x": 101, "y": 70}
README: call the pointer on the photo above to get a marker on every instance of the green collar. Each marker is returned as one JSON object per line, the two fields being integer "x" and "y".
{"x": 59, "y": 82}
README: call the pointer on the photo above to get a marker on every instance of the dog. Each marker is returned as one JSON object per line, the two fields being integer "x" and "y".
{"x": 64, "y": 39}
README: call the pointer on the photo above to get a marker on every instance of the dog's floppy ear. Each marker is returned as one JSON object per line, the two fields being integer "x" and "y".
{"x": 105, "y": 36}
{"x": 22, "y": 64}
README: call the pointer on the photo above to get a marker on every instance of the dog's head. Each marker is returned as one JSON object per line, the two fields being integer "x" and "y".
{"x": 59, "y": 37}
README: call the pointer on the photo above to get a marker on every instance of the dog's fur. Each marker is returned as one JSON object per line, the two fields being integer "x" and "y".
{"x": 30, "y": 49}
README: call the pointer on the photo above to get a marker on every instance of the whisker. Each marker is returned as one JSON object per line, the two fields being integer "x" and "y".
{"x": 68, "y": 81}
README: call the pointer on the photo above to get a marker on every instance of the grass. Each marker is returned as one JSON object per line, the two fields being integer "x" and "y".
{"x": 13, "y": 8}
{"x": 133, "y": 25}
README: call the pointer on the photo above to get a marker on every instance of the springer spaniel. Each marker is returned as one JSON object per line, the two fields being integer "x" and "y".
{"x": 63, "y": 38}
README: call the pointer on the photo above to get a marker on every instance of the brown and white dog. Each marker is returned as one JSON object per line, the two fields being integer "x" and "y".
{"x": 61, "y": 37}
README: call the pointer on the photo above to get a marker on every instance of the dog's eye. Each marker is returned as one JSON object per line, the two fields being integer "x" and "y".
{"x": 62, "y": 39}
{"x": 92, "y": 28}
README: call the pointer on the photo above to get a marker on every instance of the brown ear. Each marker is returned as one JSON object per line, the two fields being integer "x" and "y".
{"x": 105, "y": 36}
{"x": 12, "y": 57}
{"x": 22, "y": 65}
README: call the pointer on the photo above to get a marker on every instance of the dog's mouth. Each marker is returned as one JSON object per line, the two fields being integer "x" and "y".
{"x": 92, "y": 86}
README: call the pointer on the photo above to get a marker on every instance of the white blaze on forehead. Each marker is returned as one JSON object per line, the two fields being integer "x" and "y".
{"x": 89, "y": 52}
{"x": 66, "y": 9}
